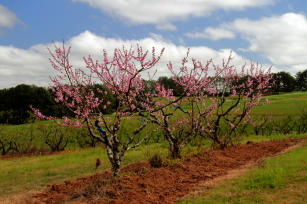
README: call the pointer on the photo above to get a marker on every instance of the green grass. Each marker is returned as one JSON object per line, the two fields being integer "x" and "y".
{"x": 258, "y": 138}
{"x": 287, "y": 104}
{"x": 33, "y": 173}
{"x": 22, "y": 133}
{"x": 282, "y": 179}
{"x": 284, "y": 104}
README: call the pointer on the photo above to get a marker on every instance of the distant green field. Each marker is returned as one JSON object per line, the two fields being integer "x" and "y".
{"x": 286, "y": 104}
{"x": 283, "y": 104}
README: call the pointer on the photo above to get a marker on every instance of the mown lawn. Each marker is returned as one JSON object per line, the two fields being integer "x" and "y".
{"x": 286, "y": 104}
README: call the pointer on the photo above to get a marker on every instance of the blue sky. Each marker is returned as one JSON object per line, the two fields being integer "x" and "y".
{"x": 272, "y": 32}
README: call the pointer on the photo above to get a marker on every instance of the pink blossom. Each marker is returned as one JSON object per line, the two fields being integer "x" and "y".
{"x": 77, "y": 124}
{"x": 267, "y": 101}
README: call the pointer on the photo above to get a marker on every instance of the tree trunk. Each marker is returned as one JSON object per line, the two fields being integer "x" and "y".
{"x": 115, "y": 160}
{"x": 115, "y": 169}
{"x": 219, "y": 144}
{"x": 175, "y": 150}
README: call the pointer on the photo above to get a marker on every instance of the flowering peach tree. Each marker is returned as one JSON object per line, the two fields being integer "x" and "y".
{"x": 121, "y": 75}
{"x": 235, "y": 93}
{"x": 181, "y": 121}
{"x": 208, "y": 110}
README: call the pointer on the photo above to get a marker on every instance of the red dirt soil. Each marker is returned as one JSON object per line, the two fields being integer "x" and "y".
{"x": 140, "y": 183}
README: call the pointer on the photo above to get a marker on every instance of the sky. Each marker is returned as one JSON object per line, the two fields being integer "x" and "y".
{"x": 270, "y": 32}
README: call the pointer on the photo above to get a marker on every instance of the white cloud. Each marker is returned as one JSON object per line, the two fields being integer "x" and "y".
{"x": 162, "y": 11}
{"x": 213, "y": 34}
{"x": 31, "y": 65}
{"x": 22, "y": 66}
{"x": 280, "y": 39}
{"x": 283, "y": 39}
{"x": 7, "y": 18}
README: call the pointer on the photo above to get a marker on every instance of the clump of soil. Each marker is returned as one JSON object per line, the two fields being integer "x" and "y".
{"x": 140, "y": 183}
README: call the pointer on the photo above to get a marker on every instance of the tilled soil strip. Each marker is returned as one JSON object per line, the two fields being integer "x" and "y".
{"x": 140, "y": 183}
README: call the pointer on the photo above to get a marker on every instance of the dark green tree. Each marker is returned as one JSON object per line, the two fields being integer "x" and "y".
{"x": 169, "y": 83}
{"x": 16, "y": 101}
{"x": 301, "y": 80}
{"x": 283, "y": 82}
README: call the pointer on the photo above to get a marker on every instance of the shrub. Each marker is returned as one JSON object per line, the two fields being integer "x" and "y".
{"x": 55, "y": 136}
{"x": 156, "y": 161}
{"x": 301, "y": 123}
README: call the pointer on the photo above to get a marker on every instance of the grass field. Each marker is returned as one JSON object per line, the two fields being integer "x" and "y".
{"x": 287, "y": 104}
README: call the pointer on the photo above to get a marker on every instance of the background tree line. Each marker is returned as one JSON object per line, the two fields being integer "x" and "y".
{"x": 16, "y": 101}
{"x": 284, "y": 82}
{"x": 281, "y": 82}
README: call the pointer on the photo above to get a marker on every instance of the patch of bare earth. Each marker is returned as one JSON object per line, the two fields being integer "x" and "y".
{"x": 140, "y": 183}
{"x": 20, "y": 198}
